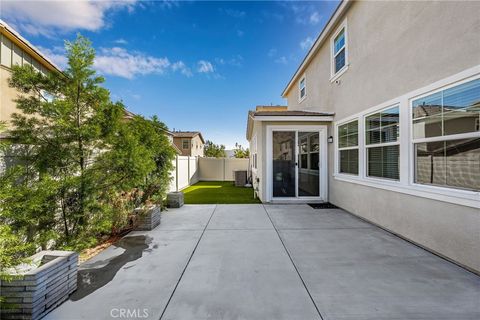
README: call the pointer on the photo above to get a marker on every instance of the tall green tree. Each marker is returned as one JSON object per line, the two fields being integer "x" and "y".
{"x": 80, "y": 164}
{"x": 214, "y": 150}
{"x": 60, "y": 127}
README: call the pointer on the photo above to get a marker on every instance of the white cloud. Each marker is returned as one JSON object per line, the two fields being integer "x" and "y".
{"x": 268, "y": 15}
{"x": 180, "y": 66}
{"x": 272, "y": 52}
{"x": 236, "y": 61}
{"x": 121, "y": 41}
{"x": 119, "y": 62}
{"x": 306, "y": 43}
{"x": 304, "y": 12}
{"x": 281, "y": 60}
{"x": 234, "y": 13}
{"x": 122, "y": 63}
{"x": 50, "y": 17}
{"x": 315, "y": 17}
{"x": 205, "y": 67}
{"x": 56, "y": 55}
{"x": 220, "y": 61}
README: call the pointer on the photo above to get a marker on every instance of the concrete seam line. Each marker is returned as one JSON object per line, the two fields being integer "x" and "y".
{"x": 293, "y": 263}
{"x": 186, "y": 265}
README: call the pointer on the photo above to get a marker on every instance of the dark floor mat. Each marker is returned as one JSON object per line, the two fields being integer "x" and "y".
{"x": 323, "y": 205}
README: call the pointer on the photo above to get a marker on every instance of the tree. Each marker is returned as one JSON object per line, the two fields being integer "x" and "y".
{"x": 240, "y": 152}
{"x": 214, "y": 150}
{"x": 61, "y": 130}
{"x": 11, "y": 245}
{"x": 78, "y": 158}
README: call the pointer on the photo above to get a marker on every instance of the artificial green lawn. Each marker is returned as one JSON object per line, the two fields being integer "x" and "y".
{"x": 206, "y": 192}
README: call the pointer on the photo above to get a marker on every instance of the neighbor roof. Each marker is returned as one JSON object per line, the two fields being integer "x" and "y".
{"x": 187, "y": 134}
{"x": 339, "y": 12}
{"x": 23, "y": 43}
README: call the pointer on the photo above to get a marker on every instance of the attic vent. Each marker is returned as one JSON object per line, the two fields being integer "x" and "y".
{"x": 323, "y": 205}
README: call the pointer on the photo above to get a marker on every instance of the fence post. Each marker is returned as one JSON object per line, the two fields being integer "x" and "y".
{"x": 188, "y": 171}
{"x": 176, "y": 172}
{"x": 224, "y": 168}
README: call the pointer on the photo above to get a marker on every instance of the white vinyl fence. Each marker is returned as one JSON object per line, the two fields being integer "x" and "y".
{"x": 190, "y": 170}
{"x": 220, "y": 169}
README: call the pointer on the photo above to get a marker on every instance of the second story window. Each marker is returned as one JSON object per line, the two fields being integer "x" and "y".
{"x": 185, "y": 144}
{"x": 339, "y": 50}
{"x": 302, "y": 89}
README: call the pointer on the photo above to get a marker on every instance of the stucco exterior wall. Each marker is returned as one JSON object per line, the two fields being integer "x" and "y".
{"x": 397, "y": 47}
{"x": 195, "y": 149}
{"x": 260, "y": 129}
{"x": 391, "y": 51}
{"x": 257, "y": 174}
{"x": 7, "y": 95}
{"x": 449, "y": 230}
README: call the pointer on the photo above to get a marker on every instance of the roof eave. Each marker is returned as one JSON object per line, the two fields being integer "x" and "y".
{"x": 309, "y": 118}
{"x": 339, "y": 11}
{"x": 25, "y": 44}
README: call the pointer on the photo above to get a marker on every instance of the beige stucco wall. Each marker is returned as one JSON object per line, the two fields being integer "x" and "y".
{"x": 7, "y": 95}
{"x": 394, "y": 48}
{"x": 260, "y": 129}
{"x": 196, "y": 146}
{"x": 257, "y": 174}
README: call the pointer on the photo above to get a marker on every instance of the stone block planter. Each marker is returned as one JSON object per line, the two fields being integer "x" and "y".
{"x": 147, "y": 219}
{"x": 175, "y": 199}
{"x": 40, "y": 286}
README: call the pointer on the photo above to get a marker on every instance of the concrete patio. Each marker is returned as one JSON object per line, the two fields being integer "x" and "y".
{"x": 269, "y": 262}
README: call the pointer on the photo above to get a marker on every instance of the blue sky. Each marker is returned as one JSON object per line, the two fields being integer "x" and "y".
{"x": 197, "y": 65}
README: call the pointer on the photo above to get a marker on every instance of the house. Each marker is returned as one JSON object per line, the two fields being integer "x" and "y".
{"x": 14, "y": 49}
{"x": 383, "y": 120}
{"x": 170, "y": 139}
{"x": 190, "y": 143}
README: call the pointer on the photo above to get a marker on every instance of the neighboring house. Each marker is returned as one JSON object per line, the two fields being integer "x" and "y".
{"x": 190, "y": 143}
{"x": 383, "y": 120}
{"x": 170, "y": 138}
{"x": 16, "y": 50}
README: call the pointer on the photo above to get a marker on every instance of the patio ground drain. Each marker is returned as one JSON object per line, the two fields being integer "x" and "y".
{"x": 323, "y": 205}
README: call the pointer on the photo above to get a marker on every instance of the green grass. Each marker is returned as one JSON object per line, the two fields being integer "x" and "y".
{"x": 218, "y": 192}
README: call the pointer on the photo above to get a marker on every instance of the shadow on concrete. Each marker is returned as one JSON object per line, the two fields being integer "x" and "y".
{"x": 92, "y": 279}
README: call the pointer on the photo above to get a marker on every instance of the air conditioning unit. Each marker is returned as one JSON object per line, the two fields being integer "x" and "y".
{"x": 240, "y": 178}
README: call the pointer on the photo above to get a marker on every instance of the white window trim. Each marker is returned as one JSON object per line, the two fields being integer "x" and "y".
{"x": 449, "y": 137}
{"x": 335, "y": 75}
{"x": 304, "y": 79}
{"x": 338, "y": 149}
{"x": 406, "y": 183}
{"x": 323, "y": 168}
{"x": 380, "y": 144}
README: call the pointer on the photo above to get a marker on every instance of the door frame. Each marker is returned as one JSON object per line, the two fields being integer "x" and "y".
{"x": 323, "y": 159}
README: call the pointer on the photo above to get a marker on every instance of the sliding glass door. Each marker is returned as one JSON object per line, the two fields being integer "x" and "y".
{"x": 308, "y": 164}
{"x": 295, "y": 164}
{"x": 284, "y": 164}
